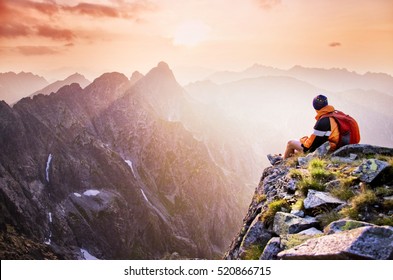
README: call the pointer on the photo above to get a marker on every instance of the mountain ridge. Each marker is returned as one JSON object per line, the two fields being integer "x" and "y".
{"x": 55, "y": 86}
{"x": 333, "y": 79}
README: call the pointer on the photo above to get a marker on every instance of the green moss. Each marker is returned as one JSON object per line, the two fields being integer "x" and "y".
{"x": 351, "y": 225}
{"x": 328, "y": 217}
{"x": 274, "y": 207}
{"x": 253, "y": 253}
{"x": 350, "y": 212}
{"x": 260, "y": 198}
{"x": 316, "y": 163}
{"x": 299, "y": 204}
{"x": 296, "y": 174}
{"x": 384, "y": 221}
{"x": 309, "y": 183}
{"x": 293, "y": 240}
{"x": 365, "y": 198}
{"x": 321, "y": 174}
{"x": 317, "y": 176}
{"x": 384, "y": 191}
{"x": 344, "y": 190}
{"x": 359, "y": 203}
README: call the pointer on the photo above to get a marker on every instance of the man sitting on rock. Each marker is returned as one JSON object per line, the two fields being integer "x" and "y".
{"x": 325, "y": 129}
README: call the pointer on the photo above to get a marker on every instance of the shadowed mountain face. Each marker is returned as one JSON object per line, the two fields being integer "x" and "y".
{"x": 102, "y": 170}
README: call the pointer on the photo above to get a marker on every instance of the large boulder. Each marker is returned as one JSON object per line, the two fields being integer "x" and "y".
{"x": 257, "y": 235}
{"x": 372, "y": 242}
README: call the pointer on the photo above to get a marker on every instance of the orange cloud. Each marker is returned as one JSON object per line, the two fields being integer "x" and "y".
{"x": 12, "y": 30}
{"x": 19, "y": 18}
{"x": 36, "y": 50}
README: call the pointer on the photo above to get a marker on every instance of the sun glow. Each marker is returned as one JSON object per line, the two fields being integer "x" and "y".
{"x": 191, "y": 33}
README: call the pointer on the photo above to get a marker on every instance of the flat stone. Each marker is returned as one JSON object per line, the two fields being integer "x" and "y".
{"x": 316, "y": 198}
{"x": 285, "y": 223}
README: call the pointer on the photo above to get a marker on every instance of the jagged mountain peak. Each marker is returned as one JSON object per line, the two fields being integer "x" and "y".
{"x": 74, "y": 87}
{"x": 111, "y": 76}
{"x": 161, "y": 72}
{"x": 75, "y": 76}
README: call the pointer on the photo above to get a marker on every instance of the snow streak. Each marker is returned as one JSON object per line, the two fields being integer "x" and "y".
{"x": 47, "y": 167}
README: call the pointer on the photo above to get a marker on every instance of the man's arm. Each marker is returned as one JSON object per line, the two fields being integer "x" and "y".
{"x": 320, "y": 135}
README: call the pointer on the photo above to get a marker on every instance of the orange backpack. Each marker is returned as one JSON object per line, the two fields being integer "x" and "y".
{"x": 348, "y": 128}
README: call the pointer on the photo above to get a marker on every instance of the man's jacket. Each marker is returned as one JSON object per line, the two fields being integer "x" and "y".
{"x": 325, "y": 129}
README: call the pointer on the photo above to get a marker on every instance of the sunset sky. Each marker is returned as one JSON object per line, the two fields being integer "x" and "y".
{"x": 57, "y": 38}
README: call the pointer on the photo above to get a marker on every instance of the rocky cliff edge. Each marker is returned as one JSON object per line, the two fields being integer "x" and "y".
{"x": 322, "y": 206}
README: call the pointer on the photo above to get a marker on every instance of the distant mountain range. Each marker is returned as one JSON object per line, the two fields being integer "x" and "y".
{"x": 55, "y": 86}
{"x": 16, "y": 86}
{"x": 334, "y": 79}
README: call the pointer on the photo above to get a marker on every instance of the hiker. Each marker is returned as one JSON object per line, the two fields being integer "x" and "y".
{"x": 325, "y": 129}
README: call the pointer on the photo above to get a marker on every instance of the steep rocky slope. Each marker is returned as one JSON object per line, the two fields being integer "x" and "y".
{"x": 323, "y": 206}
{"x": 102, "y": 172}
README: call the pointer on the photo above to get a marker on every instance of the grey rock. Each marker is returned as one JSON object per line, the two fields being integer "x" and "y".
{"x": 316, "y": 198}
{"x": 298, "y": 213}
{"x": 256, "y": 235}
{"x": 322, "y": 150}
{"x": 271, "y": 250}
{"x": 303, "y": 161}
{"x": 344, "y": 224}
{"x": 362, "y": 150}
{"x": 360, "y": 243}
{"x": 311, "y": 231}
{"x": 292, "y": 185}
{"x": 350, "y": 159}
{"x": 285, "y": 223}
{"x": 369, "y": 170}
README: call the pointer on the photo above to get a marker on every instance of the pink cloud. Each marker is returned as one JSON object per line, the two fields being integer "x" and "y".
{"x": 268, "y": 4}
{"x": 55, "y": 33}
{"x": 93, "y": 10}
{"x": 335, "y": 44}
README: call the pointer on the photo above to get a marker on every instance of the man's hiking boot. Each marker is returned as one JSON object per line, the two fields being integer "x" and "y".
{"x": 275, "y": 159}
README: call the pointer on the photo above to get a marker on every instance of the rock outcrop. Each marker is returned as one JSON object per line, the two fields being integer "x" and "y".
{"x": 322, "y": 206}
